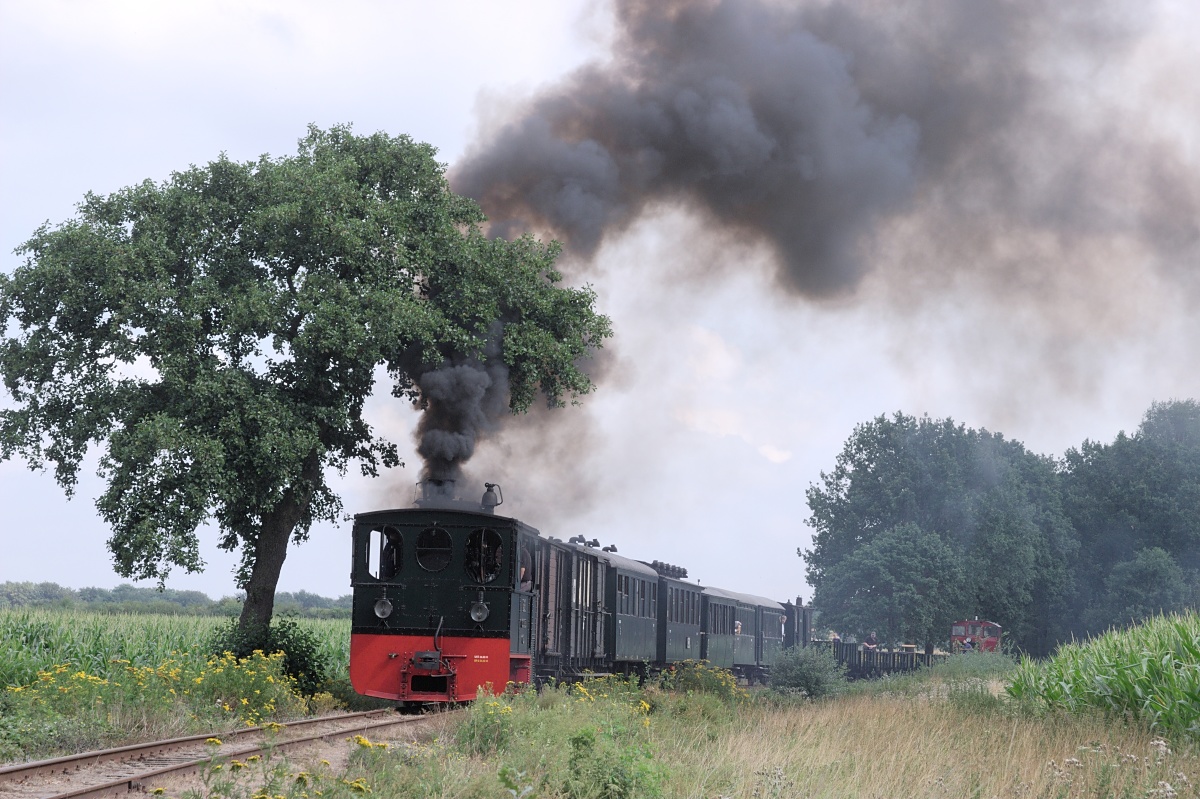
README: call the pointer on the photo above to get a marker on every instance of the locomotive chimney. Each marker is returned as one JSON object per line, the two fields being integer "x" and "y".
{"x": 435, "y": 491}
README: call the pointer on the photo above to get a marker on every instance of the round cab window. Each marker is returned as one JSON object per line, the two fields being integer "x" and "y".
{"x": 483, "y": 555}
{"x": 433, "y": 549}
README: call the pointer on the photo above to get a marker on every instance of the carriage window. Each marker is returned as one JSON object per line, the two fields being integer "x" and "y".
{"x": 385, "y": 555}
{"x": 653, "y": 600}
{"x": 434, "y": 549}
{"x": 484, "y": 555}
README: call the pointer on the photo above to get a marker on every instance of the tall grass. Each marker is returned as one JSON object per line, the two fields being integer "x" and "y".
{"x": 611, "y": 739}
{"x": 1150, "y": 671}
{"x": 34, "y": 640}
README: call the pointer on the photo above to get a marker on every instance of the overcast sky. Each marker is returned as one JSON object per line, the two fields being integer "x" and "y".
{"x": 726, "y": 392}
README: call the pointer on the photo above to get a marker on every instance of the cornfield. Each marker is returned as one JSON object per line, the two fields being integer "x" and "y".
{"x": 33, "y": 640}
{"x": 1150, "y": 671}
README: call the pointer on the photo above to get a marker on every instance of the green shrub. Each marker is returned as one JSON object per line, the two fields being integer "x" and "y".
{"x": 303, "y": 659}
{"x": 699, "y": 676}
{"x": 812, "y": 671}
{"x": 487, "y": 728}
{"x": 600, "y": 767}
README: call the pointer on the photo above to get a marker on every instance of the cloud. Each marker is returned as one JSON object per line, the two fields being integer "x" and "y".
{"x": 774, "y": 454}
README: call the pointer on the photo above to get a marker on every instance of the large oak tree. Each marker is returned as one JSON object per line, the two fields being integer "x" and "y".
{"x": 217, "y": 335}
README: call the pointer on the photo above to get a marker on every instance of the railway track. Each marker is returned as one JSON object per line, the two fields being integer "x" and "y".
{"x": 137, "y": 768}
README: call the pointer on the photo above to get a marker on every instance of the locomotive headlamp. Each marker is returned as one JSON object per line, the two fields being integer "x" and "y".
{"x": 383, "y": 608}
{"x": 479, "y": 612}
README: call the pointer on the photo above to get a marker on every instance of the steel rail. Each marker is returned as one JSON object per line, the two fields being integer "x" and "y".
{"x": 69, "y": 763}
{"x": 138, "y": 782}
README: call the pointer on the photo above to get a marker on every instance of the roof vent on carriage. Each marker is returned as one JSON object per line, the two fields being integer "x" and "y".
{"x": 668, "y": 569}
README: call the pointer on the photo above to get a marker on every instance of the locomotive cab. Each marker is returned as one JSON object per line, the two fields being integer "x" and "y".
{"x": 974, "y": 635}
{"x": 443, "y": 603}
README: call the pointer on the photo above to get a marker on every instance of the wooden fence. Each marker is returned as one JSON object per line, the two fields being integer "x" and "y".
{"x": 861, "y": 663}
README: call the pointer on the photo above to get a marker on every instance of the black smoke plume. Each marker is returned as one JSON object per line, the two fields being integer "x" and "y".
{"x": 811, "y": 126}
{"x": 985, "y": 144}
{"x": 461, "y": 402}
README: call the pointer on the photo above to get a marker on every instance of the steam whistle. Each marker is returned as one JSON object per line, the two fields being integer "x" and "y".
{"x": 492, "y": 497}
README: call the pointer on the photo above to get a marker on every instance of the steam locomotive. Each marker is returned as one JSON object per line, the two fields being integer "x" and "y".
{"x": 450, "y": 597}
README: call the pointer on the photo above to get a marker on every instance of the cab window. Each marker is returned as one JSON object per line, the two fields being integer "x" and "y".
{"x": 385, "y": 552}
{"x": 434, "y": 549}
{"x": 484, "y": 555}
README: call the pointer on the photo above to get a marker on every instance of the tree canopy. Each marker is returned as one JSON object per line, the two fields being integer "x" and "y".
{"x": 905, "y": 582}
{"x": 1135, "y": 506}
{"x": 217, "y": 334}
{"x": 925, "y": 520}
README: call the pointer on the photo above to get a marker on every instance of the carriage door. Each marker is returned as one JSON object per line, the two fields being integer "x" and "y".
{"x": 583, "y": 613}
{"x": 600, "y": 617}
{"x": 551, "y": 591}
{"x": 524, "y": 600}
{"x": 760, "y": 636}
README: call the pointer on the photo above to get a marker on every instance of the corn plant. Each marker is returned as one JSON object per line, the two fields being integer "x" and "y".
{"x": 36, "y": 639}
{"x": 1150, "y": 671}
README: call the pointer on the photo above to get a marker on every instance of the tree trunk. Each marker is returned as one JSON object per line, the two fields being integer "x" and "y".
{"x": 271, "y": 548}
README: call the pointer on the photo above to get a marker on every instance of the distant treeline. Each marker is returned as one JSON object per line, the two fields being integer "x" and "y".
{"x": 133, "y": 599}
{"x": 924, "y": 521}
